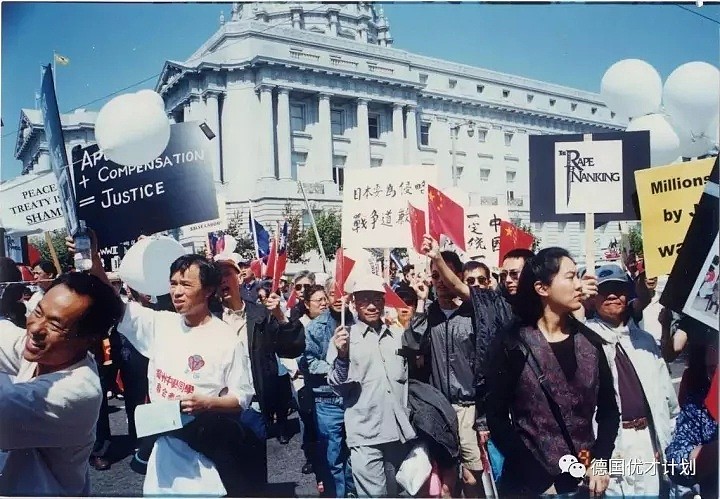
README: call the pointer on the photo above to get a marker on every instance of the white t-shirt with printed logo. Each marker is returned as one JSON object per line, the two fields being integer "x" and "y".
{"x": 208, "y": 360}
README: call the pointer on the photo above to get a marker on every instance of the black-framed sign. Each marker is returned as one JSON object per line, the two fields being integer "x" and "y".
{"x": 122, "y": 202}
{"x": 570, "y": 176}
{"x": 692, "y": 288}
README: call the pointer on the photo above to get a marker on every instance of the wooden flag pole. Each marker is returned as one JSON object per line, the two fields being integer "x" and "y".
{"x": 53, "y": 253}
{"x": 315, "y": 229}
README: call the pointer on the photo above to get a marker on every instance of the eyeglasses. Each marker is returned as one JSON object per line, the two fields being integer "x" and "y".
{"x": 482, "y": 280}
{"x": 51, "y": 326}
{"x": 319, "y": 300}
{"x": 299, "y": 287}
{"x": 513, "y": 274}
{"x": 364, "y": 301}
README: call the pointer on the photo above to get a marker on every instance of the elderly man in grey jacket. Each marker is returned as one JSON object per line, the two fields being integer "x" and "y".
{"x": 643, "y": 390}
{"x": 371, "y": 376}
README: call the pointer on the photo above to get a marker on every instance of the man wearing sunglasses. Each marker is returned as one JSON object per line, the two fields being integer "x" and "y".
{"x": 50, "y": 392}
{"x": 476, "y": 274}
{"x": 302, "y": 281}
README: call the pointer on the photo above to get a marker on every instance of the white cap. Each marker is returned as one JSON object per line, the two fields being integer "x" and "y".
{"x": 369, "y": 282}
{"x": 233, "y": 259}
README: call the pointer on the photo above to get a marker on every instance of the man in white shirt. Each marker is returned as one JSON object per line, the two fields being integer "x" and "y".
{"x": 196, "y": 359}
{"x": 50, "y": 391}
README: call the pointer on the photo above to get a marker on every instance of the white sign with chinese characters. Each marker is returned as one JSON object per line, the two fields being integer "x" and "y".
{"x": 375, "y": 204}
{"x": 482, "y": 234}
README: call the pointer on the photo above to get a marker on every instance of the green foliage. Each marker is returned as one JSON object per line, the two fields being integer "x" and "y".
{"x": 635, "y": 238}
{"x": 57, "y": 237}
{"x": 330, "y": 231}
{"x": 239, "y": 230}
{"x": 296, "y": 235}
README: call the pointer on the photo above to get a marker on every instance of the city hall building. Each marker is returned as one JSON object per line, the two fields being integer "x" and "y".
{"x": 303, "y": 92}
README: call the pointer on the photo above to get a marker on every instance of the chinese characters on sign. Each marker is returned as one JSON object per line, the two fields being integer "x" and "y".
{"x": 375, "y": 204}
{"x": 482, "y": 233}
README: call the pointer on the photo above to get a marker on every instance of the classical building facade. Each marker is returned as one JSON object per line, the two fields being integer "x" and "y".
{"x": 302, "y": 92}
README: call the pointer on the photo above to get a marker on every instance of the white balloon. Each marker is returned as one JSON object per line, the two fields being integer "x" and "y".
{"x": 692, "y": 146}
{"x": 152, "y": 97}
{"x": 692, "y": 96}
{"x": 132, "y": 130}
{"x": 713, "y": 133}
{"x": 146, "y": 265}
{"x": 664, "y": 142}
{"x": 631, "y": 88}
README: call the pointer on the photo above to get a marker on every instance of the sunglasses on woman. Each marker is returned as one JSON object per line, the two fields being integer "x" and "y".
{"x": 299, "y": 287}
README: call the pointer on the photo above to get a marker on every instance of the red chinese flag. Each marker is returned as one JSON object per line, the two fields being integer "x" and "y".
{"x": 343, "y": 267}
{"x": 417, "y": 226}
{"x": 34, "y": 255}
{"x": 711, "y": 401}
{"x": 511, "y": 237}
{"x": 256, "y": 268}
{"x": 392, "y": 300}
{"x": 446, "y": 217}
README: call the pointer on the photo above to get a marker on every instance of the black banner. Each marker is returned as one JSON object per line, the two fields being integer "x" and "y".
{"x": 122, "y": 202}
{"x": 635, "y": 156}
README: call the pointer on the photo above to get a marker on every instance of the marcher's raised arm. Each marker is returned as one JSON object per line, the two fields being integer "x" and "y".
{"x": 431, "y": 249}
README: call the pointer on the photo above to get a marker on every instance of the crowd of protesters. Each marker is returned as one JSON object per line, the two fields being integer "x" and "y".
{"x": 508, "y": 382}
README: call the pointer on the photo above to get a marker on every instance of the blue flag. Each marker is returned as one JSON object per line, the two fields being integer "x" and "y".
{"x": 263, "y": 238}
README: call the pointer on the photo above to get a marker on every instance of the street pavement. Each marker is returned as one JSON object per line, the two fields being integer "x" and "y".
{"x": 284, "y": 461}
{"x": 284, "y": 464}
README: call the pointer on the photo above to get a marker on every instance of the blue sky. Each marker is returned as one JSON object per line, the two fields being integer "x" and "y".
{"x": 112, "y": 46}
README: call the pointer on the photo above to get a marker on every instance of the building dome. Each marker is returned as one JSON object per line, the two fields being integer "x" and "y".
{"x": 356, "y": 21}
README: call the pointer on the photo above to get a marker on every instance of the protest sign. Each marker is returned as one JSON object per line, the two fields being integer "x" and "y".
{"x": 111, "y": 256}
{"x": 692, "y": 287}
{"x": 56, "y": 145}
{"x": 570, "y": 176}
{"x": 667, "y": 197}
{"x": 174, "y": 190}
{"x": 31, "y": 204}
{"x": 482, "y": 234}
{"x": 215, "y": 225}
{"x": 375, "y": 204}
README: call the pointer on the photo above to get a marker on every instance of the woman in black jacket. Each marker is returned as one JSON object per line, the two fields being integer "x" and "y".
{"x": 537, "y": 424}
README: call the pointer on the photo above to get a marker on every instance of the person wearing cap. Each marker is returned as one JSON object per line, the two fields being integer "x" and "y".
{"x": 250, "y": 284}
{"x": 265, "y": 334}
{"x": 643, "y": 388}
{"x": 372, "y": 378}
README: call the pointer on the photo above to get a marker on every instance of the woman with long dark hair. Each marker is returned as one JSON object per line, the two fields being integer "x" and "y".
{"x": 548, "y": 377}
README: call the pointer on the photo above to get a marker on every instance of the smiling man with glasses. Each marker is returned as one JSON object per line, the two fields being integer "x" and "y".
{"x": 50, "y": 392}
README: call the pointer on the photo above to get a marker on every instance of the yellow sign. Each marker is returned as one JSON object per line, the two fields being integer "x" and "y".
{"x": 668, "y": 195}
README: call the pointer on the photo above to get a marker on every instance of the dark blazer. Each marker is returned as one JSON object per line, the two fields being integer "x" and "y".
{"x": 267, "y": 338}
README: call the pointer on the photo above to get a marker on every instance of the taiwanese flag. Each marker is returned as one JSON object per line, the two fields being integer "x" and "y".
{"x": 511, "y": 237}
{"x": 270, "y": 260}
{"x": 343, "y": 267}
{"x": 392, "y": 300}
{"x": 278, "y": 257}
{"x": 711, "y": 401}
{"x": 417, "y": 227}
{"x": 446, "y": 217}
{"x": 256, "y": 268}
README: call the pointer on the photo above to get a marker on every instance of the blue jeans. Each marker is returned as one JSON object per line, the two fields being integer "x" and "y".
{"x": 333, "y": 455}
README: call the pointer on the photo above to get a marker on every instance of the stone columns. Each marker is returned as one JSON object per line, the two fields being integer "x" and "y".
{"x": 283, "y": 134}
{"x": 398, "y": 146}
{"x": 212, "y": 119}
{"x": 323, "y": 167}
{"x": 411, "y": 139}
{"x": 197, "y": 108}
{"x": 363, "y": 135}
{"x": 267, "y": 133}
{"x": 187, "y": 111}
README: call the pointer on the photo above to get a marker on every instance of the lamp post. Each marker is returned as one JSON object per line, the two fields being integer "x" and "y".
{"x": 454, "y": 130}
